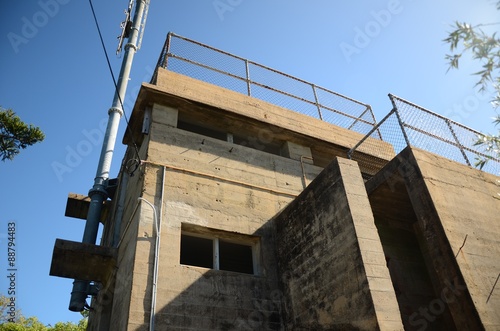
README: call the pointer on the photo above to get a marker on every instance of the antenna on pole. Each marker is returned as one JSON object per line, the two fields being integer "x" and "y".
{"x": 132, "y": 30}
{"x": 143, "y": 24}
{"x": 126, "y": 25}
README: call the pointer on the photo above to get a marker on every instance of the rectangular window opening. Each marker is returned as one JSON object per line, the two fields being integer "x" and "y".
{"x": 235, "y": 257}
{"x": 196, "y": 251}
{"x": 209, "y": 132}
{"x": 210, "y": 251}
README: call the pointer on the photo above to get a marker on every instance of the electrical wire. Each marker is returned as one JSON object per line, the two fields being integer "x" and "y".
{"x": 115, "y": 84}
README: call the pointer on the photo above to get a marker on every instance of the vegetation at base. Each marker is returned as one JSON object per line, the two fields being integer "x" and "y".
{"x": 32, "y": 323}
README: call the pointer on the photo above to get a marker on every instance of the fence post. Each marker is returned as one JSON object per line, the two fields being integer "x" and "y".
{"x": 167, "y": 49}
{"x": 402, "y": 125}
{"x": 459, "y": 145}
{"x": 317, "y": 102}
{"x": 400, "y": 121}
{"x": 248, "y": 78}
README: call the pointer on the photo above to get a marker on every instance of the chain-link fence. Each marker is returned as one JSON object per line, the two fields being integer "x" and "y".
{"x": 208, "y": 64}
{"x": 410, "y": 125}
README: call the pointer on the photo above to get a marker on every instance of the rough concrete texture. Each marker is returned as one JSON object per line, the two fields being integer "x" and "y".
{"x": 331, "y": 262}
{"x": 96, "y": 263}
{"x": 395, "y": 220}
{"x": 445, "y": 271}
{"x": 435, "y": 220}
{"x": 111, "y": 307}
{"x": 174, "y": 89}
{"x": 217, "y": 185}
{"x": 467, "y": 205}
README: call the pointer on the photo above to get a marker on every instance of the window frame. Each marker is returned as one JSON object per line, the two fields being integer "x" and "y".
{"x": 230, "y": 237}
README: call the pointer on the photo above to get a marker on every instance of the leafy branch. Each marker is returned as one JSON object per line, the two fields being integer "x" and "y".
{"x": 466, "y": 38}
{"x": 485, "y": 48}
{"x": 16, "y": 135}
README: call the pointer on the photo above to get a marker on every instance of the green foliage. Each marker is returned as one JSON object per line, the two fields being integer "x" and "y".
{"x": 15, "y": 134}
{"x": 32, "y": 323}
{"x": 485, "y": 48}
{"x": 491, "y": 143}
{"x": 24, "y": 324}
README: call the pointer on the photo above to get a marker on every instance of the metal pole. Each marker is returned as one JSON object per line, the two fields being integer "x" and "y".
{"x": 247, "y": 69}
{"x": 317, "y": 102}
{"x": 98, "y": 192}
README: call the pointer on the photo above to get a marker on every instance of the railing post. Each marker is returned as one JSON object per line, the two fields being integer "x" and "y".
{"x": 317, "y": 102}
{"x": 459, "y": 145}
{"x": 248, "y": 78}
{"x": 400, "y": 121}
{"x": 402, "y": 125}
{"x": 167, "y": 49}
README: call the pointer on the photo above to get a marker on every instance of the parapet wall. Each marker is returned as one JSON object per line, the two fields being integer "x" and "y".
{"x": 189, "y": 94}
{"x": 331, "y": 263}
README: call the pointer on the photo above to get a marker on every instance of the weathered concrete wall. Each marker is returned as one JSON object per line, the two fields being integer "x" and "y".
{"x": 111, "y": 308}
{"x": 411, "y": 281}
{"x": 395, "y": 220}
{"x": 331, "y": 262}
{"x": 467, "y": 205}
{"x": 174, "y": 89}
{"x": 217, "y": 185}
{"x": 451, "y": 211}
{"x": 211, "y": 95}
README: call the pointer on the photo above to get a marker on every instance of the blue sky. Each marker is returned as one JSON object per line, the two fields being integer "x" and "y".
{"x": 54, "y": 75}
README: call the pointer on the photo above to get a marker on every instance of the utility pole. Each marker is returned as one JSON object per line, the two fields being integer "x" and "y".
{"x": 132, "y": 30}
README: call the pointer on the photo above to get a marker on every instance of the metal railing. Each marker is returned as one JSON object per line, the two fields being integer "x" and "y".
{"x": 205, "y": 63}
{"x": 408, "y": 124}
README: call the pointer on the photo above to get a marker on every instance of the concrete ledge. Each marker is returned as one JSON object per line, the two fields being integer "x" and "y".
{"x": 183, "y": 92}
{"x": 77, "y": 206}
{"x": 81, "y": 261}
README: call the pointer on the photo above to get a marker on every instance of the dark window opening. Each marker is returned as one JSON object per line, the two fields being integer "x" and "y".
{"x": 197, "y": 251}
{"x": 235, "y": 257}
{"x": 202, "y": 130}
{"x": 258, "y": 144}
{"x": 212, "y": 252}
{"x": 250, "y": 140}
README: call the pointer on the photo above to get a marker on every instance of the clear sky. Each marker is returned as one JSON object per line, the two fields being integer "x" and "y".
{"x": 53, "y": 74}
